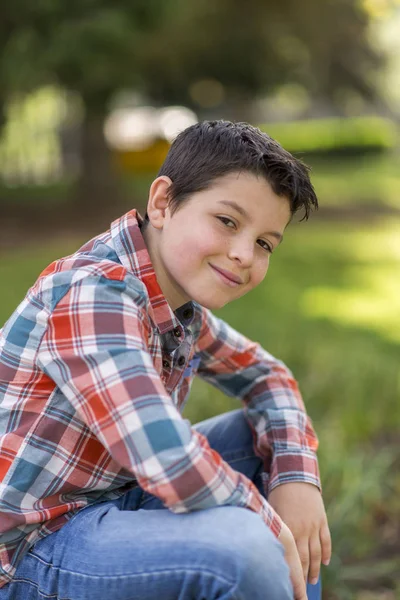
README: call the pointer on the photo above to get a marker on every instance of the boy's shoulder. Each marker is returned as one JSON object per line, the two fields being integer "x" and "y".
{"x": 78, "y": 266}
{"x": 95, "y": 274}
{"x": 85, "y": 268}
{"x": 95, "y": 266}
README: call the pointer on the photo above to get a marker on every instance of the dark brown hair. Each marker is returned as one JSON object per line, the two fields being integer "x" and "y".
{"x": 211, "y": 149}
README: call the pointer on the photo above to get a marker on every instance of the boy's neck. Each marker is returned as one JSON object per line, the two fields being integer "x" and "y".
{"x": 172, "y": 293}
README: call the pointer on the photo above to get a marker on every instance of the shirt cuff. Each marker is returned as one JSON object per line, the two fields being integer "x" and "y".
{"x": 271, "y": 518}
{"x": 256, "y": 502}
{"x": 292, "y": 465}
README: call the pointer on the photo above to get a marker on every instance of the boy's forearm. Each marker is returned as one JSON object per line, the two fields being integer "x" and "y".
{"x": 272, "y": 401}
{"x": 284, "y": 431}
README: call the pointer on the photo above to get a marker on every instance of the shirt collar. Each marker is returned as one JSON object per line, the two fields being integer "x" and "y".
{"x": 131, "y": 249}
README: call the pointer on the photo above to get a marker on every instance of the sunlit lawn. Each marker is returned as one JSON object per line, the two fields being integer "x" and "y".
{"x": 330, "y": 308}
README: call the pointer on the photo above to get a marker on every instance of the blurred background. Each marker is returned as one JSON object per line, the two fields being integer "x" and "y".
{"x": 91, "y": 94}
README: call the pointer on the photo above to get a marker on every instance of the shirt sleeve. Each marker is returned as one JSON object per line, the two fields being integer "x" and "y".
{"x": 284, "y": 436}
{"x": 95, "y": 350}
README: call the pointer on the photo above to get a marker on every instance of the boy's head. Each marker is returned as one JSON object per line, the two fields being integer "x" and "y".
{"x": 218, "y": 209}
{"x": 211, "y": 149}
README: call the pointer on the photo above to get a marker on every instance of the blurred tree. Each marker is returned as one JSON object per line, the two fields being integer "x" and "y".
{"x": 86, "y": 46}
{"x": 10, "y": 21}
{"x": 340, "y": 55}
{"x": 163, "y": 47}
{"x": 252, "y": 47}
{"x": 94, "y": 49}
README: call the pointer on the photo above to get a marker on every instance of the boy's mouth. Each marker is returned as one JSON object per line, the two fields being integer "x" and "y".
{"x": 227, "y": 276}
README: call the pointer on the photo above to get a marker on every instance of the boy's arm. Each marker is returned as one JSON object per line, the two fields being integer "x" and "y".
{"x": 95, "y": 350}
{"x": 284, "y": 438}
{"x": 273, "y": 405}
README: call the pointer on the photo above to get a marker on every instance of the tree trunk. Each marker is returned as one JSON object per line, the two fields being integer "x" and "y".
{"x": 98, "y": 193}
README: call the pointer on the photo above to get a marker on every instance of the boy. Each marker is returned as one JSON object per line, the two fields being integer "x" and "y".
{"x": 107, "y": 492}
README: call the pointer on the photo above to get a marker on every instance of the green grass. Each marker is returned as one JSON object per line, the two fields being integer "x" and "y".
{"x": 329, "y": 308}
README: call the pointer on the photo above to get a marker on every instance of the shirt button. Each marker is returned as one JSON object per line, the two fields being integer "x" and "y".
{"x": 165, "y": 364}
{"x": 177, "y": 332}
{"x": 188, "y": 313}
{"x": 181, "y": 361}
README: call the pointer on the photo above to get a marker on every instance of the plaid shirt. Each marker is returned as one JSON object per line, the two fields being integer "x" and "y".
{"x": 95, "y": 368}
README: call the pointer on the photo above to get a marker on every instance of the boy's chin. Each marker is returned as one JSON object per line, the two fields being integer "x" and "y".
{"x": 211, "y": 303}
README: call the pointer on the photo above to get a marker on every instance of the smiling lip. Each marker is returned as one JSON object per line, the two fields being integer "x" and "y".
{"x": 227, "y": 275}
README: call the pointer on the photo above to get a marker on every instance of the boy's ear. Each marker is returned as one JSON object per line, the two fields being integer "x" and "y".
{"x": 158, "y": 201}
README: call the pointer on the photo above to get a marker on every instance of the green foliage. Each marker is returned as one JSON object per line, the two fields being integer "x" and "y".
{"x": 97, "y": 47}
{"x": 161, "y": 49}
{"x": 90, "y": 47}
{"x": 368, "y": 180}
{"x": 355, "y": 135}
{"x": 255, "y": 46}
{"x": 357, "y": 491}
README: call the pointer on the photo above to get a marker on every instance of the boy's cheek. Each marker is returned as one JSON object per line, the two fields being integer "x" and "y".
{"x": 191, "y": 249}
{"x": 257, "y": 278}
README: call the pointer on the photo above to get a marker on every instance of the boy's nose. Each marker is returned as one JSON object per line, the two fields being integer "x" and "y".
{"x": 242, "y": 253}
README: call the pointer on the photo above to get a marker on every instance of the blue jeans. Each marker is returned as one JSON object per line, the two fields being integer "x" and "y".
{"x": 134, "y": 549}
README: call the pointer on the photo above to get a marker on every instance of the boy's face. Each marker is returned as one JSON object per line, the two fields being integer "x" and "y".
{"x": 217, "y": 245}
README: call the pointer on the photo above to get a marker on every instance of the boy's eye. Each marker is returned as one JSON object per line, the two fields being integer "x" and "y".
{"x": 228, "y": 222}
{"x": 232, "y": 225}
{"x": 265, "y": 246}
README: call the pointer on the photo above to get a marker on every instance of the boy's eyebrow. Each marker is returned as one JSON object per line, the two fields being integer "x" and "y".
{"x": 246, "y": 215}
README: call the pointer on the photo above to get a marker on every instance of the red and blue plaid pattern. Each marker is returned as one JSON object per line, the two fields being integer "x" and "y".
{"x": 94, "y": 370}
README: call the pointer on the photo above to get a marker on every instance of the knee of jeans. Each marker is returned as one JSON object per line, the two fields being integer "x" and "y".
{"x": 238, "y": 545}
{"x": 242, "y": 542}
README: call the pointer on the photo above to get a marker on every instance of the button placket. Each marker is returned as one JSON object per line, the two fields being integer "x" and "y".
{"x": 166, "y": 369}
{"x": 188, "y": 314}
{"x": 179, "y": 360}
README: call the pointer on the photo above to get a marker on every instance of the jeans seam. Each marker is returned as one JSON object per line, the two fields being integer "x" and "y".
{"x": 233, "y": 460}
{"x": 40, "y": 559}
{"x": 145, "y": 501}
{"x": 203, "y": 571}
{"x": 61, "y": 570}
{"x": 150, "y": 573}
{"x": 39, "y": 591}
